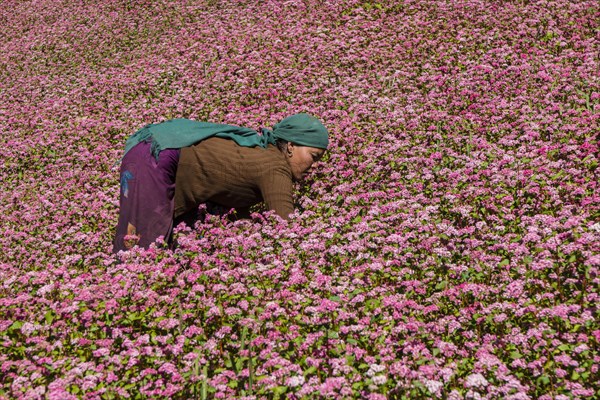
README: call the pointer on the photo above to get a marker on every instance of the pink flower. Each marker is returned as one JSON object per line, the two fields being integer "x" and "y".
{"x": 168, "y": 368}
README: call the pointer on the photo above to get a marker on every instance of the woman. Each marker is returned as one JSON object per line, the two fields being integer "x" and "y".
{"x": 170, "y": 168}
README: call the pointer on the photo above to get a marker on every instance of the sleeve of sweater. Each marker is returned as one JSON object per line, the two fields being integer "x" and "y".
{"x": 276, "y": 188}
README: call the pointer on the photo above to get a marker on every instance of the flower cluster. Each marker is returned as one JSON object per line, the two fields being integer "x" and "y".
{"x": 447, "y": 246}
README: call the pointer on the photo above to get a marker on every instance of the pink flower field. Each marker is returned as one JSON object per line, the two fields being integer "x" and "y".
{"x": 446, "y": 247}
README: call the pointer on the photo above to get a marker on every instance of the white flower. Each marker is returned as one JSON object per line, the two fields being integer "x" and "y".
{"x": 455, "y": 395}
{"x": 434, "y": 387}
{"x": 446, "y": 374}
{"x": 28, "y": 328}
{"x": 379, "y": 380}
{"x": 45, "y": 289}
{"x": 295, "y": 381}
{"x": 595, "y": 227}
{"x": 374, "y": 369}
{"x": 471, "y": 395}
{"x": 476, "y": 380}
{"x": 581, "y": 348}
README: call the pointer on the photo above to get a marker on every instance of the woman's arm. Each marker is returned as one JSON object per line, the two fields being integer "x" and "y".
{"x": 276, "y": 189}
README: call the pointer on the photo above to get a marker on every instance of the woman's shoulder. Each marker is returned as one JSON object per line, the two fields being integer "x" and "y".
{"x": 228, "y": 150}
{"x": 256, "y": 152}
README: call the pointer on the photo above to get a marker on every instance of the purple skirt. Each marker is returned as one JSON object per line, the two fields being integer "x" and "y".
{"x": 147, "y": 197}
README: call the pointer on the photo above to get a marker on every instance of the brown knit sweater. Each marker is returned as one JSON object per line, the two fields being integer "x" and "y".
{"x": 221, "y": 171}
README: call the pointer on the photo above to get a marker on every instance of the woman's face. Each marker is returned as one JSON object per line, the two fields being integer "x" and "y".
{"x": 301, "y": 158}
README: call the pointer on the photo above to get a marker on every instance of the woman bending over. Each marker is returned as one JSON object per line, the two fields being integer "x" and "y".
{"x": 170, "y": 168}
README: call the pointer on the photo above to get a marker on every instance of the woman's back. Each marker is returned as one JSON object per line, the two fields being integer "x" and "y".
{"x": 221, "y": 171}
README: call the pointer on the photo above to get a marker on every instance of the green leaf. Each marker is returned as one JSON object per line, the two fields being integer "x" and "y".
{"x": 543, "y": 379}
{"x": 15, "y": 326}
{"x": 49, "y": 317}
{"x": 279, "y": 390}
{"x": 357, "y": 385}
{"x": 233, "y": 384}
{"x": 575, "y": 375}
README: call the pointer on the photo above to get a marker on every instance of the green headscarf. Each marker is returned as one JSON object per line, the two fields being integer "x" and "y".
{"x": 302, "y": 129}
